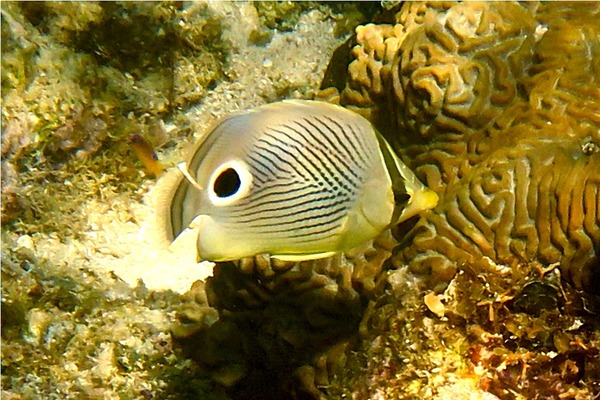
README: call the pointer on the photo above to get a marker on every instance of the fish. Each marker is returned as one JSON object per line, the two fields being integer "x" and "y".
{"x": 296, "y": 179}
{"x": 146, "y": 154}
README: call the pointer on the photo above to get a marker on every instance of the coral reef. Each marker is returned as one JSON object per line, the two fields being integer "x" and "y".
{"x": 495, "y": 333}
{"x": 536, "y": 201}
{"x": 77, "y": 81}
{"x": 79, "y": 78}
{"x": 490, "y": 108}
{"x": 471, "y": 304}
{"x": 494, "y": 105}
{"x": 78, "y": 333}
{"x": 488, "y": 103}
{"x": 259, "y": 325}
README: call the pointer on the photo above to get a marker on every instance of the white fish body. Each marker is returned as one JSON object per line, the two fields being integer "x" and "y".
{"x": 297, "y": 180}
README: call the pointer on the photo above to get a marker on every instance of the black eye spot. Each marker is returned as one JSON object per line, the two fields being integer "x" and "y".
{"x": 227, "y": 183}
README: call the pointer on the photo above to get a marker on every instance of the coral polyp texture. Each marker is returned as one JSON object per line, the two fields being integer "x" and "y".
{"x": 496, "y": 106}
{"x": 266, "y": 328}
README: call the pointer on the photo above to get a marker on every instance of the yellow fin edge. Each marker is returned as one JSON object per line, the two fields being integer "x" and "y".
{"x": 303, "y": 257}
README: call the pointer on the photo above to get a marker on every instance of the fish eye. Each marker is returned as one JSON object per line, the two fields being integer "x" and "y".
{"x": 227, "y": 183}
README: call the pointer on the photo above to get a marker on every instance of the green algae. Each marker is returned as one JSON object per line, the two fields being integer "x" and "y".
{"x": 61, "y": 60}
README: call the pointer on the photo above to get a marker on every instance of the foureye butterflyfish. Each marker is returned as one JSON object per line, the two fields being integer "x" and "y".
{"x": 296, "y": 180}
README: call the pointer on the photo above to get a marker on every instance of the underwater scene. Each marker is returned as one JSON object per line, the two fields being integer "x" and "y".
{"x": 300, "y": 200}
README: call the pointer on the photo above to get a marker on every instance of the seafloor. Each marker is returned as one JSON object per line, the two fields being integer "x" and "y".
{"x": 93, "y": 308}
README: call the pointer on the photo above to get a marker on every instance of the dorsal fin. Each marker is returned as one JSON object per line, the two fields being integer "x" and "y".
{"x": 410, "y": 195}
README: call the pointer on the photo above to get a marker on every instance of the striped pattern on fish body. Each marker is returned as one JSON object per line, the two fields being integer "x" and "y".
{"x": 294, "y": 179}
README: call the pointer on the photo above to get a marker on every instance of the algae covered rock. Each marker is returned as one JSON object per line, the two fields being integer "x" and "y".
{"x": 75, "y": 333}
{"x": 78, "y": 79}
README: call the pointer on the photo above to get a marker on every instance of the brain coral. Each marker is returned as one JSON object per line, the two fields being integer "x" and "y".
{"x": 496, "y": 106}
{"x": 258, "y": 323}
{"x": 532, "y": 202}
